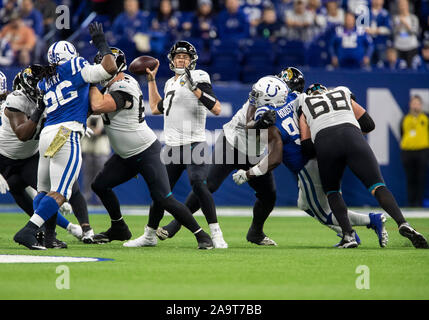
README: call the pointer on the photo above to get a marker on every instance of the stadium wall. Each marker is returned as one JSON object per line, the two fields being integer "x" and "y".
{"x": 385, "y": 95}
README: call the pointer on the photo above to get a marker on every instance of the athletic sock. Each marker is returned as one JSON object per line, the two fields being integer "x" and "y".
{"x": 192, "y": 202}
{"x": 388, "y": 203}
{"x": 261, "y": 211}
{"x": 356, "y": 219}
{"x": 37, "y": 199}
{"x": 50, "y": 225}
{"x": 62, "y": 221}
{"x": 118, "y": 223}
{"x": 339, "y": 209}
{"x": 47, "y": 208}
{"x": 110, "y": 202}
{"x": 156, "y": 213}
{"x": 80, "y": 208}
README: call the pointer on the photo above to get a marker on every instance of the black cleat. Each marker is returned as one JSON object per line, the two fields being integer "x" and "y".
{"x": 348, "y": 241}
{"x": 204, "y": 240}
{"x": 416, "y": 238}
{"x": 120, "y": 233}
{"x": 27, "y": 238}
{"x": 40, "y": 236}
{"x": 54, "y": 243}
{"x": 259, "y": 238}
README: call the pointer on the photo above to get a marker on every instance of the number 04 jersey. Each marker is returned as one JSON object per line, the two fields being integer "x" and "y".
{"x": 126, "y": 128}
{"x": 328, "y": 109}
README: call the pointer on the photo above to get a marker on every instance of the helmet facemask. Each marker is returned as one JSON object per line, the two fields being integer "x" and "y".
{"x": 182, "y": 47}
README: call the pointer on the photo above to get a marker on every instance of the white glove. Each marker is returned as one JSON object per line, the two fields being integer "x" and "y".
{"x": 240, "y": 177}
{"x": 66, "y": 209}
{"x": 88, "y": 132}
{"x": 4, "y": 187}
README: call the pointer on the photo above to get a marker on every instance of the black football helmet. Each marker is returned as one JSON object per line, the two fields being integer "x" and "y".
{"x": 316, "y": 88}
{"x": 294, "y": 79}
{"x": 183, "y": 47}
{"x": 28, "y": 79}
{"x": 119, "y": 56}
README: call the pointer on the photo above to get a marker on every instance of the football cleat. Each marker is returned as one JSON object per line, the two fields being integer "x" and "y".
{"x": 260, "y": 239}
{"x": 161, "y": 233}
{"x": 54, "y": 243}
{"x": 88, "y": 237}
{"x": 219, "y": 242}
{"x": 417, "y": 239}
{"x": 27, "y": 238}
{"x": 75, "y": 230}
{"x": 121, "y": 233}
{"x": 148, "y": 239}
{"x": 204, "y": 240}
{"x": 348, "y": 241}
{"x": 341, "y": 236}
{"x": 377, "y": 222}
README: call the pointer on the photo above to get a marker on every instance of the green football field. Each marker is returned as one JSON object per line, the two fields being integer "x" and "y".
{"x": 304, "y": 265}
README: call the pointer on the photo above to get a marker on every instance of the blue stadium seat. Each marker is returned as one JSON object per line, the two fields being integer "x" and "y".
{"x": 290, "y": 53}
{"x": 258, "y": 60}
{"x": 225, "y": 60}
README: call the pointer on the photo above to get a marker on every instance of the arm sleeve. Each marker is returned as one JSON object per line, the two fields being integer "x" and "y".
{"x": 122, "y": 99}
{"x": 308, "y": 148}
{"x": 160, "y": 106}
{"x": 366, "y": 123}
{"x": 94, "y": 73}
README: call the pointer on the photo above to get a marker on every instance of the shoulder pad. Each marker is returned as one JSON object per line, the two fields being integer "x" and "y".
{"x": 17, "y": 100}
{"x": 200, "y": 76}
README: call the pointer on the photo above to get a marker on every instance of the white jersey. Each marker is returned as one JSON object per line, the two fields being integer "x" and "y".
{"x": 329, "y": 109}
{"x": 127, "y": 129}
{"x": 245, "y": 141}
{"x": 10, "y": 146}
{"x": 184, "y": 115}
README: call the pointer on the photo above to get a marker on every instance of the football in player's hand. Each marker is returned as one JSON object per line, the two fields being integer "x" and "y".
{"x": 139, "y": 64}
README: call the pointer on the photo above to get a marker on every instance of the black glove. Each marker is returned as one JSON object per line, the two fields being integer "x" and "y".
{"x": 98, "y": 38}
{"x": 192, "y": 84}
{"x": 267, "y": 119}
{"x": 35, "y": 116}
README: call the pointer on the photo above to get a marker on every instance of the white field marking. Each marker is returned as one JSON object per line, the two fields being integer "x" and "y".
{"x": 12, "y": 258}
{"x": 235, "y": 211}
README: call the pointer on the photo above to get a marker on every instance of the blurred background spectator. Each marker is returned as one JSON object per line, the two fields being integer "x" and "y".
{"x": 405, "y": 32}
{"x": 95, "y": 153}
{"x": 310, "y": 32}
{"x": 21, "y": 38}
{"x": 351, "y": 47}
{"x": 415, "y": 150}
{"x": 232, "y": 22}
{"x": 380, "y": 29}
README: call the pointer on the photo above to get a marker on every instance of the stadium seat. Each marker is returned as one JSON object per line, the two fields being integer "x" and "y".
{"x": 225, "y": 60}
{"x": 258, "y": 60}
{"x": 290, "y": 53}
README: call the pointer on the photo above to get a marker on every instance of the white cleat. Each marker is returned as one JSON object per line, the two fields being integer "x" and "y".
{"x": 218, "y": 241}
{"x": 75, "y": 230}
{"x": 148, "y": 239}
{"x": 88, "y": 237}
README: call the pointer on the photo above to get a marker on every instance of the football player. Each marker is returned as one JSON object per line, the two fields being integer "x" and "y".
{"x": 334, "y": 122}
{"x": 188, "y": 95}
{"x": 238, "y": 148}
{"x": 4, "y": 187}
{"x": 285, "y": 146}
{"x": 65, "y": 96}
{"x": 137, "y": 151}
{"x": 19, "y": 141}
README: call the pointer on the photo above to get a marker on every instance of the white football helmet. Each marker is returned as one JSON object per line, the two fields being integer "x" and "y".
{"x": 269, "y": 90}
{"x": 3, "y": 83}
{"x": 61, "y": 52}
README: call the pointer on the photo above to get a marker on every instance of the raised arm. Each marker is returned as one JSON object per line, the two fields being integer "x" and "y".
{"x": 155, "y": 98}
{"x": 365, "y": 121}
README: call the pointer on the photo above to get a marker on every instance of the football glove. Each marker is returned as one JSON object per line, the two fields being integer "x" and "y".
{"x": 192, "y": 84}
{"x": 267, "y": 119}
{"x": 66, "y": 209}
{"x": 35, "y": 116}
{"x": 4, "y": 187}
{"x": 89, "y": 132}
{"x": 240, "y": 177}
{"x": 98, "y": 38}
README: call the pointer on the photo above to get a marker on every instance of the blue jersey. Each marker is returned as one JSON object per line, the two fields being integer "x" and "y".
{"x": 66, "y": 94}
{"x": 286, "y": 122}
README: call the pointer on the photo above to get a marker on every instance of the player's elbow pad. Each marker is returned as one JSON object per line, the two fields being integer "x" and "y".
{"x": 366, "y": 123}
{"x": 308, "y": 148}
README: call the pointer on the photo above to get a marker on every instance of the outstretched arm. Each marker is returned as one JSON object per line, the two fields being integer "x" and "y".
{"x": 271, "y": 161}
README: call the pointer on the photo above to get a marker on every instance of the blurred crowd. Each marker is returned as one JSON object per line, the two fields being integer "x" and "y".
{"x": 233, "y": 37}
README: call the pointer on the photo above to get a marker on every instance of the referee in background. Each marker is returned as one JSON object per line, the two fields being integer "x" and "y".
{"x": 415, "y": 150}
